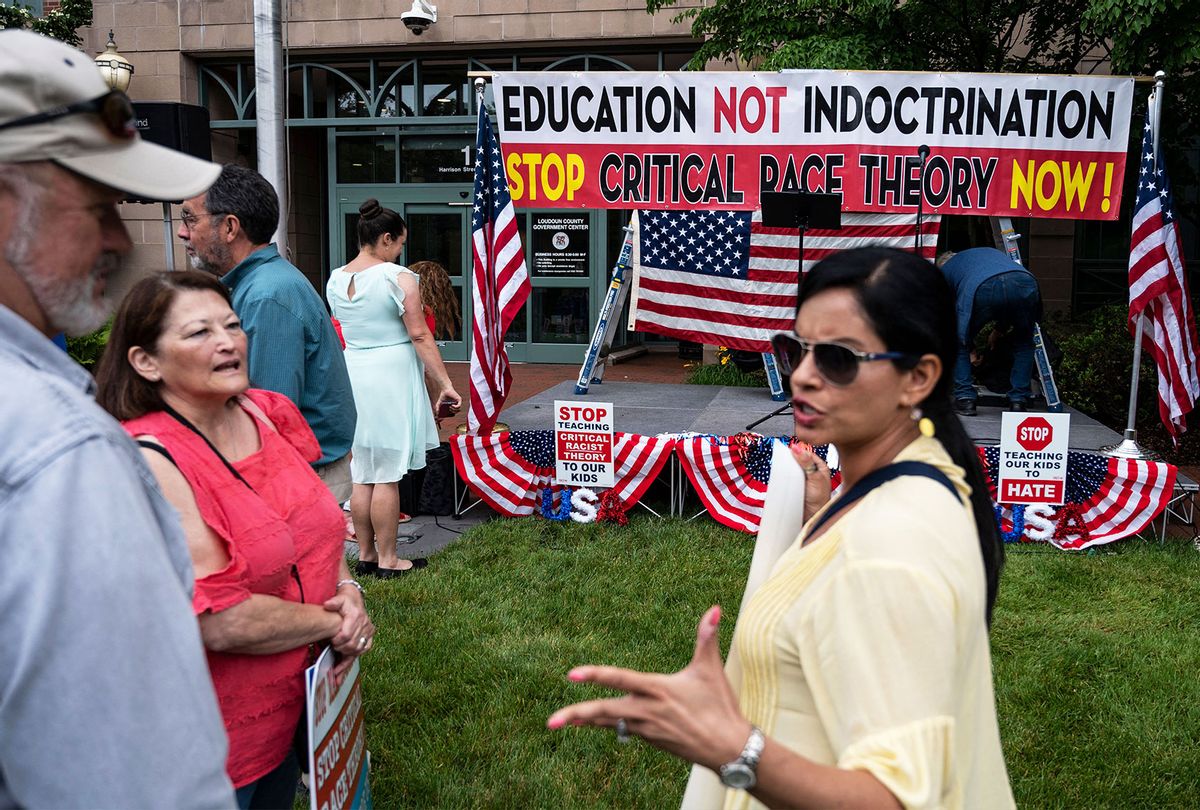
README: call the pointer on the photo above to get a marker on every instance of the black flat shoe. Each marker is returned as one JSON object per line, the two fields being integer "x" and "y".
{"x": 393, "y": 573}
{"x": 366, "y": 569}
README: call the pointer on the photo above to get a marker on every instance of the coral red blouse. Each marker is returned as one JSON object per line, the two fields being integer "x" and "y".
{"x": 284, "y": 538}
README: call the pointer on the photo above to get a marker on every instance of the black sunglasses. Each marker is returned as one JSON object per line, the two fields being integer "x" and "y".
{"x": 838, "y": 364}
{"x": 114, "y": 108}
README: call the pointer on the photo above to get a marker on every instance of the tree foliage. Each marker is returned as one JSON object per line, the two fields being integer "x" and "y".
{"x": 62, "y": 23}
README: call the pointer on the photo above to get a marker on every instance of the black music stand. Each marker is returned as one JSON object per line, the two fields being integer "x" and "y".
{"x": 800, "y": 210}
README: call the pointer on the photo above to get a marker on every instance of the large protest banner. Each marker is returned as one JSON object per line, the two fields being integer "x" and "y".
{"x": 1000, "y": 144}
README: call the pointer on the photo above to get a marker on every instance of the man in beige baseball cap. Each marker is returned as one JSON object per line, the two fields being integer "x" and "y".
{"x": 105, "y": 695}
{"x": 54, "y": 105}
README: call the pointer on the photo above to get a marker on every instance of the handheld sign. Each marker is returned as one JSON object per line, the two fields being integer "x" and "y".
{"x": 1033, "y": 458}
{"x": 583, "y": 443}
{"x": 337, "y": 744}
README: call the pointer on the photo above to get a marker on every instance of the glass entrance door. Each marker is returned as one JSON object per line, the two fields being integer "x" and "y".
{"x": 438, "y": 230}
{"x": 555, "y": 325}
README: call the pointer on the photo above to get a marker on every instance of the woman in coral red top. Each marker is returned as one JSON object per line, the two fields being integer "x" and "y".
{"x": 264, "y": 533}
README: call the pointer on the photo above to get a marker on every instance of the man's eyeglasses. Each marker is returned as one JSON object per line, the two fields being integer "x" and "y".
{"x": 838, "y": 364}
{"x": 113, "y": 108}
{"x": 190, "y": 220}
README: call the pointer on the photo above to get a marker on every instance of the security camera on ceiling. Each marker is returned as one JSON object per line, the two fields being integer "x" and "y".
{"x": 418, "y": 18}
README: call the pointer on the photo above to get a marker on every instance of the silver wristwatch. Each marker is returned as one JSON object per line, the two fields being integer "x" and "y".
{"x": 740, "y": 774}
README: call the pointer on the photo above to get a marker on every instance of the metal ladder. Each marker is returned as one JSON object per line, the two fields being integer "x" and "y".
{"x": 595, "y": 359}
{"x": 1007, "y": 241}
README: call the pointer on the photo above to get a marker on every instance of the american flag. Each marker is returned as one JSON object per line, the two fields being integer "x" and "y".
{"x": 509, "y": 470}
{"x": 500, "y": 284}
{"x": 722, "y": 278}
{"x": 1117, "y": 497}
{"x": 1158, "y": 288}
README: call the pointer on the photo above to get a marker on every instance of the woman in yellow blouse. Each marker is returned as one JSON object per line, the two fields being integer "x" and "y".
{"x": 860, "y": 672}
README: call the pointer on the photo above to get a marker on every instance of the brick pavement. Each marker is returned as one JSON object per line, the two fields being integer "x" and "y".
{"x": 530, "y": 379}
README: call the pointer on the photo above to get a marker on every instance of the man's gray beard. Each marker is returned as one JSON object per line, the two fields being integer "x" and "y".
{"x": 69, "y": 304}
{"x": 220, "y": 264}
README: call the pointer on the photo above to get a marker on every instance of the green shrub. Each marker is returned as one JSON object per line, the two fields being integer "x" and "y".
{"x": 87, "y": 349}
{"x": 62, "y": 23}
{"x": 727, "y": 374}
{"x": 1094, "y": 373}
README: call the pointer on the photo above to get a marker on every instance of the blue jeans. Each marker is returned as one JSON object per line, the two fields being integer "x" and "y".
{"x": 1011, "y": 300}
{"x": 276, "y": 790}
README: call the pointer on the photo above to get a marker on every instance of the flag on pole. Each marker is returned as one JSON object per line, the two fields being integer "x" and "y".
{"x": 722, "y": 278}
{"x": 1158, "y": 289}
{"x": 500, "y": 281}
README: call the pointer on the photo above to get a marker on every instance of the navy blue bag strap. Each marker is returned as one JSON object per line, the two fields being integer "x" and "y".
{"x": 882, "y": 476}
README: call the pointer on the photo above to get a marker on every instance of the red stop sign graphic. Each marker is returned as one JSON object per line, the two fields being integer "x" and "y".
{"x": 1034, "y": 433}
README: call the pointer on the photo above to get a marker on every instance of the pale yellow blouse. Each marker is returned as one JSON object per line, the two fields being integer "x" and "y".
{"x": 868, "y": 649}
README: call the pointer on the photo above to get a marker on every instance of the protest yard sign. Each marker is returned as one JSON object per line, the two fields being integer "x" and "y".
{"x": 338, "y": 762}
{"x": 1033, "y": 458}
{"x": 1000, "y": 144}
{"x": 583, "y": 444}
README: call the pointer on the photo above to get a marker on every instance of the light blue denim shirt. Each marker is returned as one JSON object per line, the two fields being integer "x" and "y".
{"x": 105, "y": 696}
{"x": 293, "y": 348}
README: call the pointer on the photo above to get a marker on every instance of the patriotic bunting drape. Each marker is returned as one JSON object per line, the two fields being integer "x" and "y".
{"x": 722, "y": 278}
{"x": 1116, "y": 497}
{"x": 1113, "y": 497}
{"x": 509, "y": 470}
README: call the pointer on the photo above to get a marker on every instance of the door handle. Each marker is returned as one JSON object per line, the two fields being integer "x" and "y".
{"x": 460, "y": 205}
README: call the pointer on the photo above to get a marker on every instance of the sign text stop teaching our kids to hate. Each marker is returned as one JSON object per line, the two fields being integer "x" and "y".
{"x": 1000, "y": 144}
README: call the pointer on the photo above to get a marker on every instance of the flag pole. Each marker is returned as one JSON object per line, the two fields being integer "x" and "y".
{"x": 1129, "y": 447}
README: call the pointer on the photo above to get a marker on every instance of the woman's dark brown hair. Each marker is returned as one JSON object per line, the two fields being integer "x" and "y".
{"x": 139, "y": 322}
{"x": 374, "y": 221}
{"x": 438, "y": 294}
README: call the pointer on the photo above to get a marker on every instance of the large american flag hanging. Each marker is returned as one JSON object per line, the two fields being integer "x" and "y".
{"x": 1158, "y": 288}
{"x": 722, "y": 278}
{"x": 500, "y": 281}
{"x": 509, "y": 470}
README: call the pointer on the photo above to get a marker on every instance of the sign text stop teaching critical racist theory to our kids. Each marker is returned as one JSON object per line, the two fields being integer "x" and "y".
{"x": 583, "y": 443}
{"x": 1033, "y": 458}
{"x": 1001, "y": 145}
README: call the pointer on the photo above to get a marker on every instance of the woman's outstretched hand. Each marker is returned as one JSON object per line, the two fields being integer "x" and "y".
{"x": 817, "y": 484}
{"x": 692, "y": 713}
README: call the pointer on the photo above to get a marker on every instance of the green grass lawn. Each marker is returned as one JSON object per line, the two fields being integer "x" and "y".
{"x": 1096, "y": 656}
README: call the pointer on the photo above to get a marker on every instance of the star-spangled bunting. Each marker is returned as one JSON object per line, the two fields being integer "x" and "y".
{"x": 722, "y": 278}
{"x": 1116, "y": 497}
{"x": 500, "y": 281}
{"x": 1158, "y": 288}
{"x": 509, "y": 470}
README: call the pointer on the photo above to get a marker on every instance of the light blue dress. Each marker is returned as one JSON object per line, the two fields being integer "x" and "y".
{"x": 395, "y": 420}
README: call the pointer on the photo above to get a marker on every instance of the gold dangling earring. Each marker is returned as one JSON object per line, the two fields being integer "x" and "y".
{"x": 924, "y": 423}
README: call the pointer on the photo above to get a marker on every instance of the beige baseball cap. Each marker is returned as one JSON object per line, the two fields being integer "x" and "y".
{"x": 51, "y": 83}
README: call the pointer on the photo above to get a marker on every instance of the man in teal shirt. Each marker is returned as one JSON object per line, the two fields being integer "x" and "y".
{"x": 293, "y": 348}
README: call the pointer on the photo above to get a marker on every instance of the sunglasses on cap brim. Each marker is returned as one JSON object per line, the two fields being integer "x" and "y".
{"x": 113, "y": 108}
{"x": 835, "y": 362}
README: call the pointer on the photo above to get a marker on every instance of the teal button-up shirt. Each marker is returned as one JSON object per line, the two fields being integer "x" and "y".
{"x": 293, "y": 348}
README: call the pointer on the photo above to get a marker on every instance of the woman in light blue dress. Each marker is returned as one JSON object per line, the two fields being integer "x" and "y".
{"x": 389, "y": 352}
